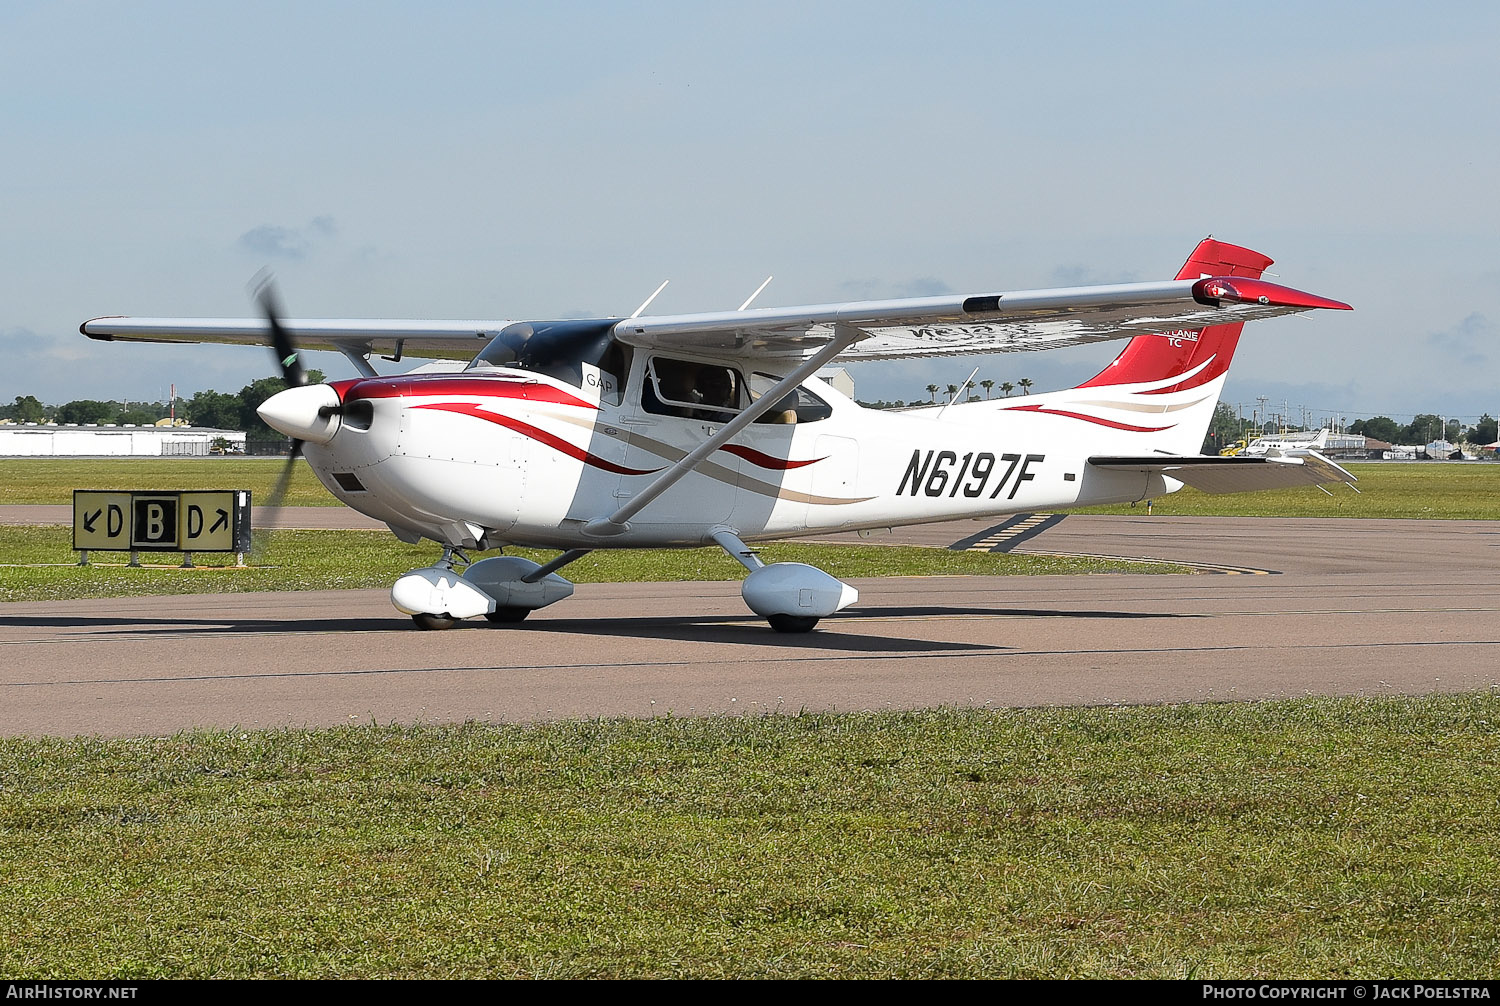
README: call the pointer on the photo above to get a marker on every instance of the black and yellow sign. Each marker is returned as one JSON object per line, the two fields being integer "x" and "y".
{"x": 210, "y": 521}
{"x": 101, "y": 520}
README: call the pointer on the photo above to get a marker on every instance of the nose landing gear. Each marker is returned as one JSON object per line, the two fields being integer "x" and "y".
{"x": 504, "y": 589}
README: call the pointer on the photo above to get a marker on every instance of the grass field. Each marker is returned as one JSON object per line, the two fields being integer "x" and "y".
{"x": 52, "y": 480}
{"x": 1313, "y": 838}
{"x": 340, "y": 560}
{"x": 1435, "y": 489}
{"x": 1448, "y": 490}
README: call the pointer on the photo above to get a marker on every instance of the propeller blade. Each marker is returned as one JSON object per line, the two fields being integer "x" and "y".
{"x": 264, "y": 286}
{"x": 271, "y": 509}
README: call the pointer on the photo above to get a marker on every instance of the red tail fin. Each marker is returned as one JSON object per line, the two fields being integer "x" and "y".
{"x": 1148, "y": 358}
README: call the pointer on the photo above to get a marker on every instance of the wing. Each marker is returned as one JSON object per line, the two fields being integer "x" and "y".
{"x": 426, "y": 339}
{"x": 923, "y": 326}
{"x": 985, "y": 323}
{"x": 1235, "y": 474}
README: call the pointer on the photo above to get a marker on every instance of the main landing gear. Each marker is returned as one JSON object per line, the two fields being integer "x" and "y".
{"x": 791, "y": 596}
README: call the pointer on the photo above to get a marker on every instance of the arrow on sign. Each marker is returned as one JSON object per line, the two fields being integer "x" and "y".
{"x": 223, "y": 521}
{"x": 88, "y": 519}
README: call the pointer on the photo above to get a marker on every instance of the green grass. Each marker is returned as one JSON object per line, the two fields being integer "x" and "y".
{"x": 1314, "y": 838}
{"x": 340, "y": 560}
{"x": 1447, "y": 490}
{"x": 52, "y": 480}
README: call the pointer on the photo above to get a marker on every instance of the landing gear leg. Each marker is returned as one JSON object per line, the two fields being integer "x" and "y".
{"x": 452, "y": 555}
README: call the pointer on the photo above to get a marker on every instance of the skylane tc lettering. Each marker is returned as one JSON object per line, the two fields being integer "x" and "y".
{"x": 939, "y": 473}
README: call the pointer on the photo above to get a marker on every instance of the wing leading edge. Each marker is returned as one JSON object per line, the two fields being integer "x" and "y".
{"x": 990, "y": 323}
{"x": 425, "y": 339}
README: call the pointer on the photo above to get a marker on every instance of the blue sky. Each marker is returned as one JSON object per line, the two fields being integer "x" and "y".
{"x": 494, "y": 161}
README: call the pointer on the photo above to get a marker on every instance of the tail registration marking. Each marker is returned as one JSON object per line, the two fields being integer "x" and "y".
{"x": 932, "y": 472}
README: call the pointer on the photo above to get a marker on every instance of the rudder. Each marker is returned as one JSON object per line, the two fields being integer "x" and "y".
{"x": 1159, "y": 356}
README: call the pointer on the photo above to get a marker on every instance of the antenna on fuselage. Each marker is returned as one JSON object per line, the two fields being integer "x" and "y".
{"x": 755, "y": 294}
{"x": 649, "y": 299}
{"x": 961, "y": 389}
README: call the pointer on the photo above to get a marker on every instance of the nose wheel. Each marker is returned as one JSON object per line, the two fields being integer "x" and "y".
{"x": 431, "y": 623}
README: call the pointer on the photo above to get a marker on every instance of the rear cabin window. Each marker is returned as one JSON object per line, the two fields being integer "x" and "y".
{"x": 798, "y": 406}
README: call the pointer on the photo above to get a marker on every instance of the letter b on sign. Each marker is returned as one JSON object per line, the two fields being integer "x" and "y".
{"x": 155, "y": 524}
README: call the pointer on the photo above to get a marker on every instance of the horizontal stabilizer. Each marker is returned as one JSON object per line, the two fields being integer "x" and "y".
{"x": 1233, "y": 474}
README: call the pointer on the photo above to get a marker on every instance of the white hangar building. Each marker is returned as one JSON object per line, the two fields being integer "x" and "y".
{"x": 46, "y": 440}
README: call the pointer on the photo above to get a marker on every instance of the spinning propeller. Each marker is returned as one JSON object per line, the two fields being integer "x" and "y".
{"x": 264, "y": 291}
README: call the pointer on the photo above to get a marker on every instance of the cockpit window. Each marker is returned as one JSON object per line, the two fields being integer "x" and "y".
{"x": 691, "y": 390}
{"x": 582, "y": 353}
{"x": 798, "y": 405}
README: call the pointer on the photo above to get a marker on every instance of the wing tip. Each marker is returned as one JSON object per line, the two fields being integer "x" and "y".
{"x": 101, "y": 336}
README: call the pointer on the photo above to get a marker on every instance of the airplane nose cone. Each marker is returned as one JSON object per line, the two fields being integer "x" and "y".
{"x": 298, "y": 412}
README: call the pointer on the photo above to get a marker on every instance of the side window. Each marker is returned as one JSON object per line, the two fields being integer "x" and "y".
{"x": 798, "y": 406}
{"x": 691, "y": 390}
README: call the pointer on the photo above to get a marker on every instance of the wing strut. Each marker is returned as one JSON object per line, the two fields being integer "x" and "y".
{"x": 540, "y": 573}
{"x": 844, "y": 336}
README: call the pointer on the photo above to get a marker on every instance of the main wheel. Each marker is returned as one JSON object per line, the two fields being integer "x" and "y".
{"x": 431, "y": 623}
{"x": 511, "y": 615}
{"x": 792, "y": 623}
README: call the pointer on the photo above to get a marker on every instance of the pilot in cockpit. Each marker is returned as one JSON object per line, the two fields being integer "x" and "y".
{"x": 715, "y": 391}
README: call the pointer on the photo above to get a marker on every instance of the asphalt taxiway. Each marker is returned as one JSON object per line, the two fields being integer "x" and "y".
{"x": 1317, "y": 607}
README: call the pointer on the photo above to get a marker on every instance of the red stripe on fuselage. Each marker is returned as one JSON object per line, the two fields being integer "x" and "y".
{"x": 541, "y": 436}
{"x": 755, "y": 457}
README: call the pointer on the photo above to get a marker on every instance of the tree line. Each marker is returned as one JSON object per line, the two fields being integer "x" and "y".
{"x": 1227, "y": 427}
{"x": 213, "y": 409}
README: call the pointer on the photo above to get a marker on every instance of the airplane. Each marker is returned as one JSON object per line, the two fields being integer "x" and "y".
{"x": 677, "y": 431}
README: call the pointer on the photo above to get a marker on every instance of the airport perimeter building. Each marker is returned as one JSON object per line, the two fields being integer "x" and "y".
{"x": 47, "y": 440}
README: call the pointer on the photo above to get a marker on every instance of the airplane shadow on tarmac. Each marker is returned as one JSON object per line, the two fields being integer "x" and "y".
{"x": 746, "y": 629}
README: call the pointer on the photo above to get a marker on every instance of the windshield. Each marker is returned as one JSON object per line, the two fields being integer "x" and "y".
{"x": 578, "y": 352}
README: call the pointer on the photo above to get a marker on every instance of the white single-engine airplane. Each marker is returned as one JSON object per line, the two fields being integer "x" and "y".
{"x": 682, "y": 430}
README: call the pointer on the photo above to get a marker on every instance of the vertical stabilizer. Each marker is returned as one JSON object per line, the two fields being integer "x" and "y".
{"x": 1158, "y": 396}
{"x": 1148, "y": 359}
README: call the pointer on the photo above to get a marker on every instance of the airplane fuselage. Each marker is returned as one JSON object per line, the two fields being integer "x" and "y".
{"x": 512, "y": 457}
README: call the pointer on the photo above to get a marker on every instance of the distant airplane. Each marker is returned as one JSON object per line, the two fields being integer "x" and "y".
{"x": 676, "y": 431}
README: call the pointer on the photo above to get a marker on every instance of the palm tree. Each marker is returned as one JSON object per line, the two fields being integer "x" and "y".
{"x": 968, "y": 390}
{"x": 1025, "y": 383}
{"x": 932, "y": 390}
{"x": 952, "y": 391}
{"x": 988, "y": 386}
{"x": 1007, "y": 387}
